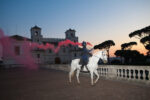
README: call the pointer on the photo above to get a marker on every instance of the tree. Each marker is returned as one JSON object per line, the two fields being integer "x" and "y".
{"x": 105, "y": 45}
{"x": 128, "y": 46}
{"x": 130, "y": 56}
{"x": 146, "y": 43}
{"x": 140, "y": 33}
{"x": 144, "y": 36}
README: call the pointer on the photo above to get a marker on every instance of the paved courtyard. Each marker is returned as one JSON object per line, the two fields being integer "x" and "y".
{"x": 20, "y": 84}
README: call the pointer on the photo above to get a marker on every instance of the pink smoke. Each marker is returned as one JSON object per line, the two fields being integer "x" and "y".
{"x": 60, "y": 44}
{"x": 27, "y": 59}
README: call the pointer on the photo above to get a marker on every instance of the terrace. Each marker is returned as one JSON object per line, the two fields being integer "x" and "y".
{"x": 52, "y": 84}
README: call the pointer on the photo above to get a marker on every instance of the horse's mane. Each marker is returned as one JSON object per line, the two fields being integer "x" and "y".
{"x": 95, "y": 57}
{"x": 97, "y": 53}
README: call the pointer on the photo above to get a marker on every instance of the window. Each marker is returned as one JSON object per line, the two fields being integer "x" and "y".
{"x": 50, "y": 51}
{"x": 17, "y": 50}
{"x": 70, "y": 45}
{"x": 75, "y": 55}
{"x": 37, "y": 40}
{"x": 72, "y": 35}
{"x": 38, "y": 55}
{"x": 64, "y": 50}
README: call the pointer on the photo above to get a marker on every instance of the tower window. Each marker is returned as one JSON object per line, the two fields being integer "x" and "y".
{"x": 72, "y": 34}
{"x": 36, "y": 33}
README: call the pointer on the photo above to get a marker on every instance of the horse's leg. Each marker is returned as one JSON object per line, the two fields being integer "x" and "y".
{"x": 71, "y": 73}
{"x": 96, "y": 73}
{"x": 91, "y": 72}
{"x": 77, "y": 75}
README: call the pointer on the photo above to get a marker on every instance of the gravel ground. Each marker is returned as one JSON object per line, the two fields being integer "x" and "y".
{"x": 21, "y": 84}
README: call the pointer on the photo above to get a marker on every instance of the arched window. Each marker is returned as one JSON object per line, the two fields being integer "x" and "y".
{"x": 57, "y": 60}
{"x": 36, "y": 33}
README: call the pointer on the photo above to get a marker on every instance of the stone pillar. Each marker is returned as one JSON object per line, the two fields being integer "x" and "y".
{"x": 144, "y": 75}
{"x": 139, "y": 75}
{"x": 129, "y": 74}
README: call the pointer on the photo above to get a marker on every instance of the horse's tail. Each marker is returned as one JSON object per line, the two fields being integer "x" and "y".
{"x": 72, "y": 69}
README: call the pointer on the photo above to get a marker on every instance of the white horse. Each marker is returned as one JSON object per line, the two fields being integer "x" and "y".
{"x": 92, "y": 66}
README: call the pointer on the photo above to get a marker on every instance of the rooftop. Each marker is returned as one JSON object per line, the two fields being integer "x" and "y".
{"x": 19, "y": 38}
{"x": 35, "y": 27}
{"x": 70, "y": 30}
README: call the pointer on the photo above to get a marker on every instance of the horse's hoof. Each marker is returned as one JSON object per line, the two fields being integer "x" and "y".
{"x": 92, "y": 84}
{"x": 95, "y": 82}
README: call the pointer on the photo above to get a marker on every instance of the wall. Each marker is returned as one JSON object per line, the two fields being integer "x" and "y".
{"x": 1, "y": 52}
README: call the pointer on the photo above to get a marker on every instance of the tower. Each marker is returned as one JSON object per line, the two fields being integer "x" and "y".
{"x": 36, "y": 34}
{"x": 70, "y": 35}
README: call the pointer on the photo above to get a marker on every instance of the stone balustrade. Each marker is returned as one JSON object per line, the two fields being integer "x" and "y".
{"x": 126, "y": 72}
{"x": 116, "y": 72}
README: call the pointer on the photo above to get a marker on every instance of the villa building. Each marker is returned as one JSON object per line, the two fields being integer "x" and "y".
{"x": 63, "y": 56}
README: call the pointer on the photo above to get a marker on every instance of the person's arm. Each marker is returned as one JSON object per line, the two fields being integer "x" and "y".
{"x": 90, "y": 50}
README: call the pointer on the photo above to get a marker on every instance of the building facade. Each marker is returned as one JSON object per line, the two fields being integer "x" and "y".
{"x": 63, "y": 56}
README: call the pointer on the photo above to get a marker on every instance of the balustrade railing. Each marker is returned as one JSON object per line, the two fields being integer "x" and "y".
{"x": 131, "y": 73}
{"x": 119, "y": 72}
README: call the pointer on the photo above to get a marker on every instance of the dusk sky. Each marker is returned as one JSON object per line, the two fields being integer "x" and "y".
{"x": 94, "y": 20}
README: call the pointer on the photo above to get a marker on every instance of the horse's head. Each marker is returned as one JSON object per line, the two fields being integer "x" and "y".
{"x": 102, "y": 55}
